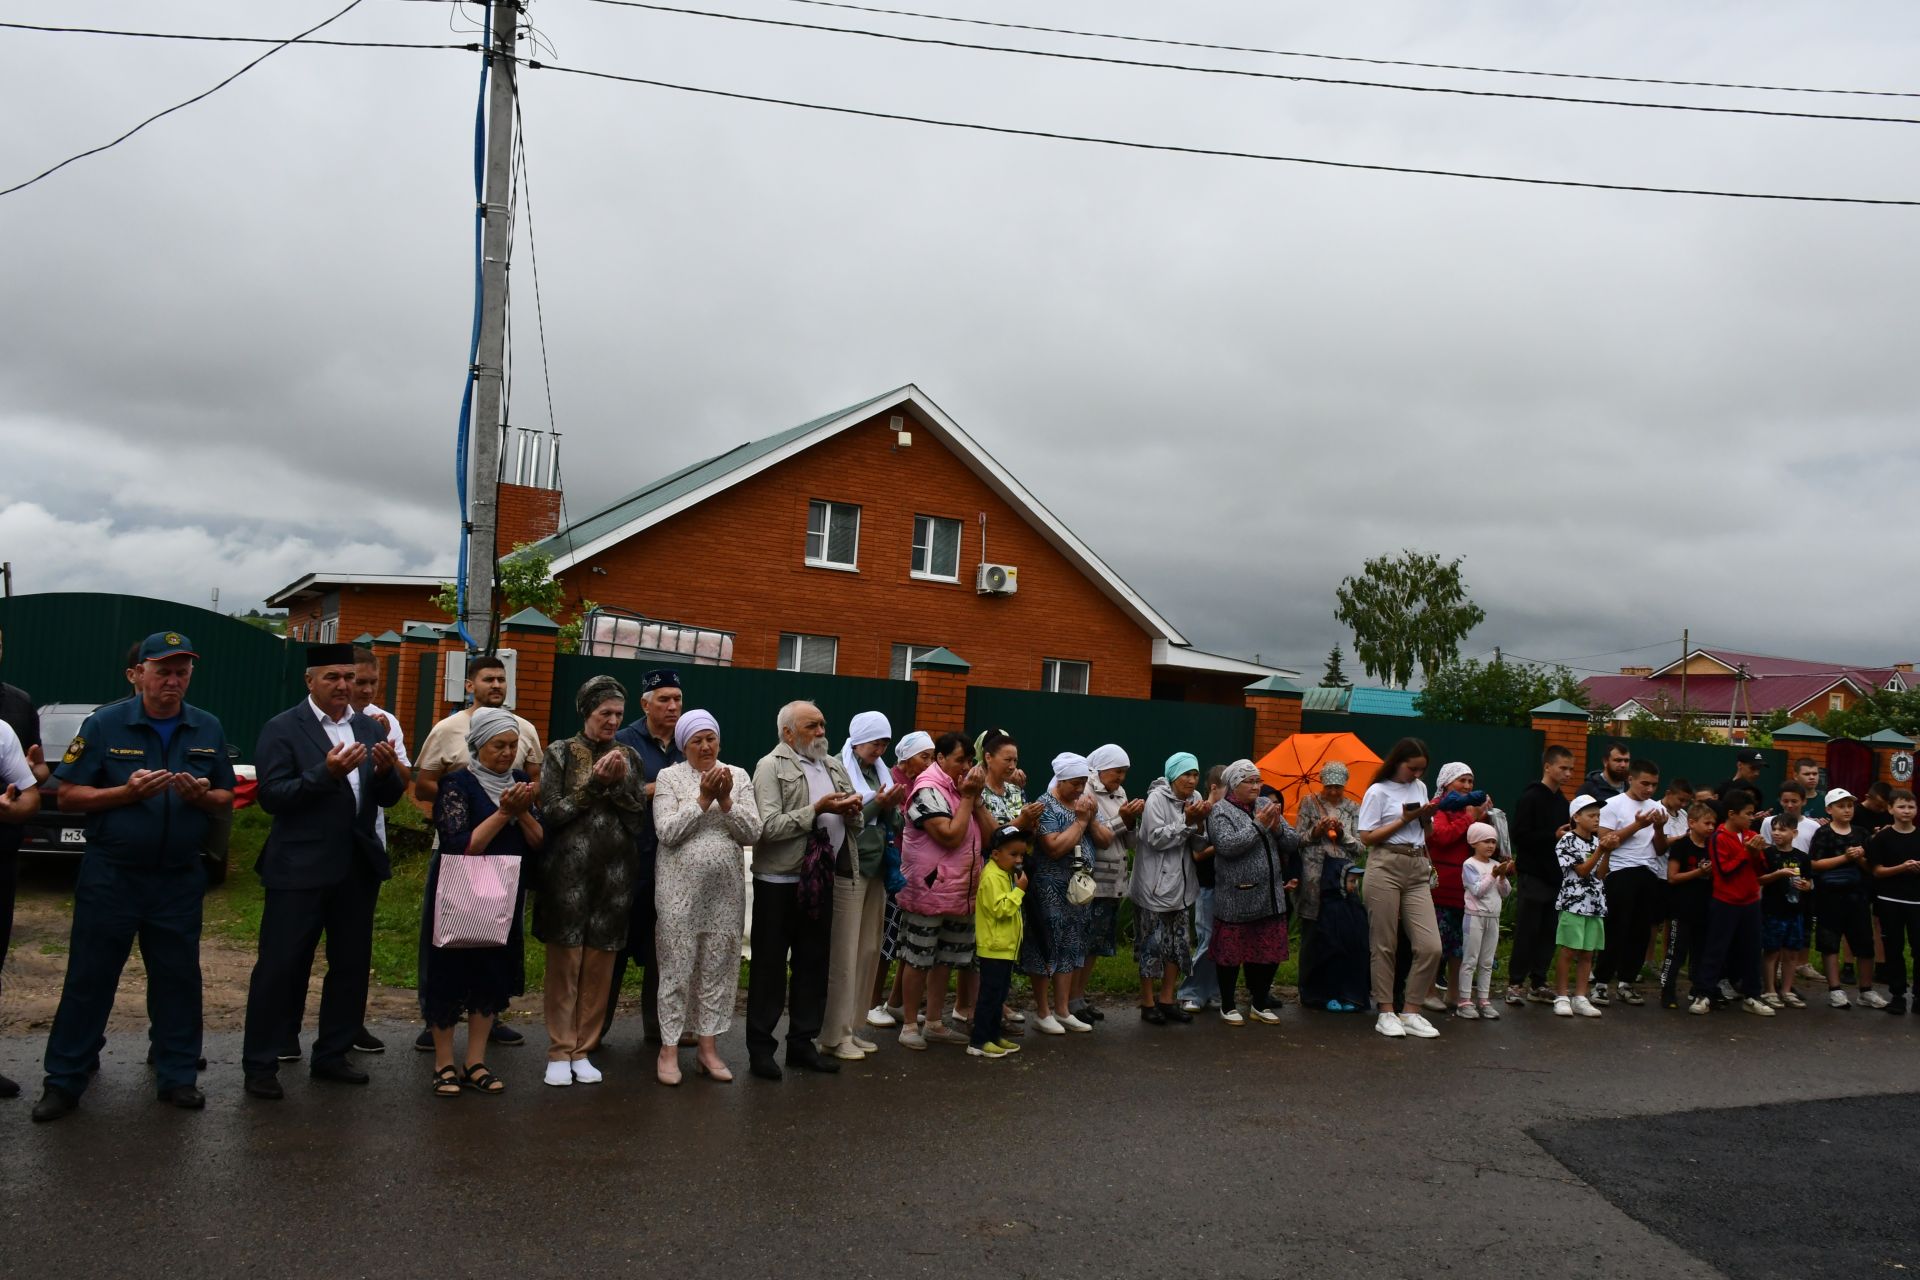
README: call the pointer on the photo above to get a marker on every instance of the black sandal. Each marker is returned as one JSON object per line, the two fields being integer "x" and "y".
{"x": 446, "y": 1083}
{"x": 481, "y": 1080}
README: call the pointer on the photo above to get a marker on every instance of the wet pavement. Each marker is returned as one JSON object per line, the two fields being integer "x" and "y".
{"x": 1313, "y": 1149}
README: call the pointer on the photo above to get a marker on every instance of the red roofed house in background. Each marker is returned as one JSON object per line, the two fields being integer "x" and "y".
{"x": 1731, "y": 689}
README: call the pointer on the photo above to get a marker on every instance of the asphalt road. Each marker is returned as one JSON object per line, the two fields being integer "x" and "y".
{"x": 1313, "y": 1149}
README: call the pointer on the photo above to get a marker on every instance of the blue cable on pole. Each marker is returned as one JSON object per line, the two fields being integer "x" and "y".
{"x": 473, "y": 346}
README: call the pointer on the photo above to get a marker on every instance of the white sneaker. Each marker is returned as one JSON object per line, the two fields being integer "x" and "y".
{"x": 1267, "y": 1016}
{"x": 1191, "y": 1006}
{"x": 1793, "y": 999}
{"x": 879, "y": 1017}
{"x": 1809, "y": 972}
{"x": 1232, "y": 1017}
{"x": 1837, "y": 999}
{"x": 584, "y": 1072}
{"x": 1872, "y": 999}
{"x": 912, "y": 1037}
{"x": 1388, "y": 1025}
{"x": 1584, "y": 1007}
{"x": 1701, "y": 1005}
{"x": 848, "y": 1051}
{"x": 1433, "y": 1004}
{"x": 1490, "y": 1011}
{"x": 559, "y": 1074}
{"x": 1050, "y": 1026}
{"x": 1562, "y": 1007}
{"x": 1774, "y": 1000}
{"x": 863, "y": 1044}
{"x": 1760, "y": 1007}
{"x": 1072, "y": 1023}
{"x": 1415, "y": 1025}
{"x": 1466, "y": 1011}
{"x": 1015, "y": 1016}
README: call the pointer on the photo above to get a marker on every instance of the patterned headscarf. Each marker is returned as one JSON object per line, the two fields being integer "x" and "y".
{"x": 596, "y": 691}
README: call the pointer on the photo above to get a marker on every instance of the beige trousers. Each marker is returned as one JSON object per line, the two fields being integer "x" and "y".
{"x": 1398, "y": 891}
{"x": 579, "y": 980}
{"x": 859, "y": 907}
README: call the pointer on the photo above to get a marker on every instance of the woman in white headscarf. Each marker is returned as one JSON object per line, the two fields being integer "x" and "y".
{"x": 486, "y": 808}
{"x": 859, "y": 890}
{"x": 1114, "y": 820}
{"x": 703, "y": 812}
{"x": 1055, "y": 943}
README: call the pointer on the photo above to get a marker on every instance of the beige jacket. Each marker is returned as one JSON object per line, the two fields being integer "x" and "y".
{"x": 786, "y": 811}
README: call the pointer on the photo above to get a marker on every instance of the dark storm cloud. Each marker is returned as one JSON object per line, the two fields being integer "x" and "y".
{"x": 233, "y": 346}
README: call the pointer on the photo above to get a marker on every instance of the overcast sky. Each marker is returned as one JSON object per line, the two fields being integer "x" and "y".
{"x": 231, "y": 349}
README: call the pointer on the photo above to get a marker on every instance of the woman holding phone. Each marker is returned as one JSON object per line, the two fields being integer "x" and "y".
{"x": 1398, "y": 887}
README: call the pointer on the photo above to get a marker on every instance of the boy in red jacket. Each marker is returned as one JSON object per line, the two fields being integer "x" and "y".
{"x": 1733, "y": 916}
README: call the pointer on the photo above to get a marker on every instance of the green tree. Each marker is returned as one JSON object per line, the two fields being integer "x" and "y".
{"x": 527, "y": 582}
{"x": 1406, "y": 612}
{"x": 1681, "y": 726}
{"x": 1335, "y": 676}
{"x": 1497, "y": 693}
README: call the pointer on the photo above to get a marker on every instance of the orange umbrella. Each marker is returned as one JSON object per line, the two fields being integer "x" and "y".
{"x": 1293, "y": 767}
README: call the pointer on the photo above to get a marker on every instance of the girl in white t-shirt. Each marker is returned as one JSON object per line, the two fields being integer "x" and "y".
{"x": 1398, "y": 887}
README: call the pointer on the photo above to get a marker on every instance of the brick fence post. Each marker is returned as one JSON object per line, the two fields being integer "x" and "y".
{"x": 1564, "y": 725}
{"x": 1801, "y": 740}
{"x": 1891, "y": 747}
{"x": 1276, "y": 704}
{"x": 940, "y": 681}
{"x": 534, "y": 638}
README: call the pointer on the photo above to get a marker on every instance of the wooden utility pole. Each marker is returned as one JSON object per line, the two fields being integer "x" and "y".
{"x": 483, "y": 482}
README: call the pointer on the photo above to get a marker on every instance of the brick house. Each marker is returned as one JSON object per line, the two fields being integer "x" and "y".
{"x": 329, "y": 607}
{"x": 1731, "y": 689}
{"x": 850, "y": 544}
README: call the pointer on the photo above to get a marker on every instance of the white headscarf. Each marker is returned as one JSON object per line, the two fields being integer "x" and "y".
{"x": 1238, "y": 772}
{"x": 912, "y": 745}
{"x": 1449, "y": 772}
{"x": 1108, "y": 757}
{"x": 483, "y": 727}
{"x": 868, "y": 726}
{"x": 1067, "y": 766}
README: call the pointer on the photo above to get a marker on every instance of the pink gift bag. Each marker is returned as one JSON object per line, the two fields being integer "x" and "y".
{"x": 474, "y": 904}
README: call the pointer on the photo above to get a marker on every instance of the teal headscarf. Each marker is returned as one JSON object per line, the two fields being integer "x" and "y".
{"x": 1181, "y": 762}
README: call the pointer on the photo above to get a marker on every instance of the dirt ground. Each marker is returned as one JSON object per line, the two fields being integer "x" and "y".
{"x": 37, "y": 965}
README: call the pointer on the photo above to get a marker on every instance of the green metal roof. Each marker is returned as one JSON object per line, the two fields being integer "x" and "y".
{"x": 943, "y": 659}
{"x": 1274, "y": 685}
{"x": 1799, "y": 731}
{"x": 1560, "y": 709}
{"x": 1888, "y": 738}
{"x": 687, "y": 480}
{"x": 1326, "y": 697}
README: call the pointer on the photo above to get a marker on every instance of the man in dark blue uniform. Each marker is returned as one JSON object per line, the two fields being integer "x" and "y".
{"x": 651, "y": 737}
{"x": 147, "y": 773}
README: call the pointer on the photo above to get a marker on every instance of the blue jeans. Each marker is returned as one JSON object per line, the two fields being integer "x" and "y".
{"x": 112, "y": 905}
{"x": 1202, "y": 985}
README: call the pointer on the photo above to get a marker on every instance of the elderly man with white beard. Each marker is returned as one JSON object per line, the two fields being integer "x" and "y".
{"x": 810, "y": 819}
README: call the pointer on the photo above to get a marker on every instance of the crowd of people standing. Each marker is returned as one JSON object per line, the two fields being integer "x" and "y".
{"x": 628, "y": 838}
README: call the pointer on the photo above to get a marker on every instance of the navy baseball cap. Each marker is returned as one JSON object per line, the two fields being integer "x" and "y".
{"x": 1005, "y": 835}
{"x": 166, "y": 644}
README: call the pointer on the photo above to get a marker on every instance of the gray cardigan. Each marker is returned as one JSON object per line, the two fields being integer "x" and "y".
{"x": 1249, "y": 865}
{"x": 786, "y": 811}
{"x": 1164, "y": 875}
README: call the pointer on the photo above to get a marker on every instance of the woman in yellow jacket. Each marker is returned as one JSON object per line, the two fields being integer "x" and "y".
{"x": 997, "y": 920}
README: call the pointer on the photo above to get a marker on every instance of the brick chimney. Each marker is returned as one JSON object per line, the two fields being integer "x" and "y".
{"x": 529, "y": 507}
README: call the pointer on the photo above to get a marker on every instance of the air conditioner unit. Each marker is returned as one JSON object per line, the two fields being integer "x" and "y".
{"x": 997, "y": 580}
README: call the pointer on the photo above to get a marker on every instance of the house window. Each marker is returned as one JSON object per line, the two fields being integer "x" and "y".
{"x": 833, "y": 535}
{"x": 1836, "y": 702}
{"x": 936, "y": 548}
{"x": 815, "y": 654}
{"x": 905, "y": 655}
{"x": 1057, "y": 675}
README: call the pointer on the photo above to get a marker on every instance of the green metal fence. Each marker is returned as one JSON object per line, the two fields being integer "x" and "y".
{"x": 71, "y": 646}
{"x": 1700, "y": 763}
{"x": 1045, "y": 724}
{"x": 1503, "y": 760}
{"x": 745, "y": 701}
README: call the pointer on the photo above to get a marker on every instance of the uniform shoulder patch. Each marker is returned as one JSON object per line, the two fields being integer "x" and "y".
{"x": 74, "y": 750}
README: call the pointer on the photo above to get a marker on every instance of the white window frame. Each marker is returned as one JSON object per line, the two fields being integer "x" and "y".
{"x": 922, "y": 650}
{"x": 826, "y": 535}
{"x": 801, "y": 642}
{"x": 1052, "y": 668}
{"x": 1836, "y": 701}
{"x": 927, "y": 574}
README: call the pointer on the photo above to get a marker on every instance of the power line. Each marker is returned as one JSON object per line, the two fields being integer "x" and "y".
{"x": 1133, "y": 145}
{"x": 211, "y": 39}
{"x": 1342, "y": 57}
{"x": 105, "y": 146}
{"x": 1255, "y": 75}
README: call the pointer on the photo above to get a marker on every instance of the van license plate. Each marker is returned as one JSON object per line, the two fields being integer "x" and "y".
{"x": 73, "y": 835}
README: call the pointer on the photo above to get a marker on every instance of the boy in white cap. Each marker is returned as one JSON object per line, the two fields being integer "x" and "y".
{"x": 1485, "y": 882}
{"x": 1843, "y": 911}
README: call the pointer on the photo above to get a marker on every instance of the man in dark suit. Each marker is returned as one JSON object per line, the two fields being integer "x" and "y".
{"x": 324, "y": 772}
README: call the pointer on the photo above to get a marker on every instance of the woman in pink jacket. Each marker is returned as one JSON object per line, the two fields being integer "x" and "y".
{"x": 940, "y": 859}
{"x": 1460, "y": 807}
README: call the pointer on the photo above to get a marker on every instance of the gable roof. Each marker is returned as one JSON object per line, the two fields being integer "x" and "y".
{"x": 1765, "y": 666}
{"x": 314, "y": 584}
{"x": 1712, "y": 695}
{"x": 692, "y": 485}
